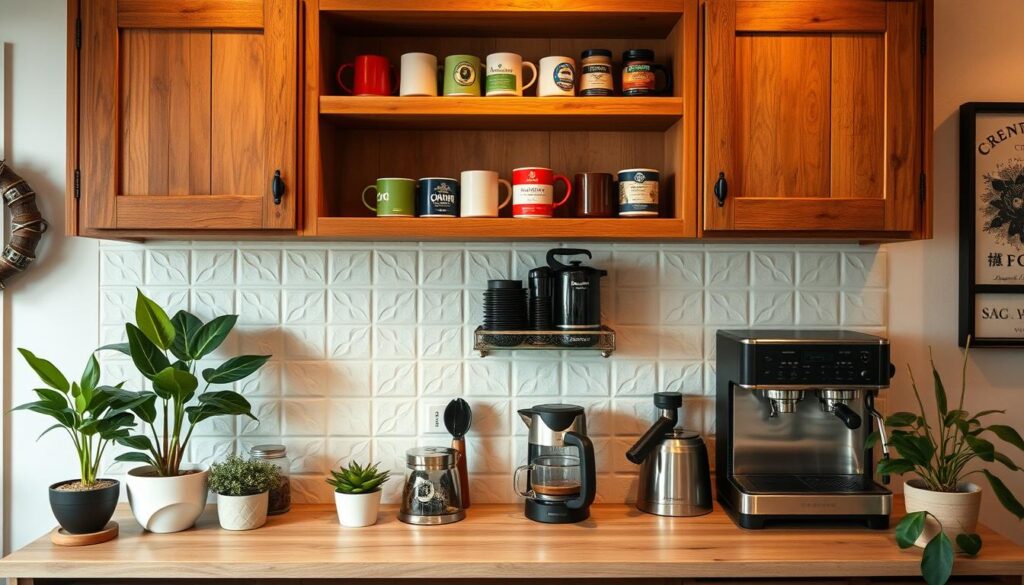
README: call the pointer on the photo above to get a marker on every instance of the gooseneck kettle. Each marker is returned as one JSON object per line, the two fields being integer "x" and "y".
{"x": 576, "y": 291}
{"x": 675, "y": 478}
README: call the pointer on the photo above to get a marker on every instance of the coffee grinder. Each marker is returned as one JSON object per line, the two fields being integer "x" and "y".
{"x": 560, "y": 475}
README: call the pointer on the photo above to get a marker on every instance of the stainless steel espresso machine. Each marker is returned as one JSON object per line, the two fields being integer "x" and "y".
{"x": 793, "y": 411}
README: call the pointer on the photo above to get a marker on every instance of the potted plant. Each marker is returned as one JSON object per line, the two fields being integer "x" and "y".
{"x": 243, "y": 488}
{"x": 357, "y": 492}
{"x": 942, "y": 506}
{"x": 92, "y": 416}
{"x": 168, "y": 494}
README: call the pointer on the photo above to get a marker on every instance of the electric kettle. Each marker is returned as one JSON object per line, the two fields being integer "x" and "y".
{"x": 576, "y": 291}
{"x": 675, "y": 479}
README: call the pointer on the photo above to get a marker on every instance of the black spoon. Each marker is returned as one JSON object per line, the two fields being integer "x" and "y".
{"x": 458, "y": 417}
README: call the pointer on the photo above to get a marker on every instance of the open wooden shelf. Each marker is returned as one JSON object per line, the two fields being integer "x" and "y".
{"x": 490, "y": 228}
{"x": 504, "y": 113}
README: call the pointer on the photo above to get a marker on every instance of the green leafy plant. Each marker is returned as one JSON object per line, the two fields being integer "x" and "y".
{"x": 165, "y": 350}
{"x": 243, "y": 477}
{"x": 356, "y": 479}
{"x": 938, "y": 453}
{"x": 92, "y": 415}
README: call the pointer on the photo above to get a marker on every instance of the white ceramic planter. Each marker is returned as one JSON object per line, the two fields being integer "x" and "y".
{"x": 242, "y": 512}
{"x": 958, "y": 511}
{"x": 357, "y": 510}
{"x": 167, "y": 504}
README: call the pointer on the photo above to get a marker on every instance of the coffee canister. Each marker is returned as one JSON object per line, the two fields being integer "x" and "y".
{"x": 638, "y": 192}
{"x": 639, "y": 74}
{"x": 596, "y": 77}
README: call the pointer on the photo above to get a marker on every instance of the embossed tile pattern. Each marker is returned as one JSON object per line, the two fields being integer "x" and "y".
{"x": 365, "y": 336}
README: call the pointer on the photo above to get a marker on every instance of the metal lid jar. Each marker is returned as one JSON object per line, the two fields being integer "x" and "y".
{"x": 280, "y": 496}
{"x": 431, "y": 494}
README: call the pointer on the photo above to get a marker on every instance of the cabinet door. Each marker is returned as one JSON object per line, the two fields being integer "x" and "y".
{"x": 187, "y": 110}
{"x": 813, "y": 116}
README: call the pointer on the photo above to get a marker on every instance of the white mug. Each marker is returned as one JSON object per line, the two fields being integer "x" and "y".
{"x": 557, "y": 77}
{"x": 418, "y": 74}
{"x": 505, "y": 74}
{"x": 478, "y": 192}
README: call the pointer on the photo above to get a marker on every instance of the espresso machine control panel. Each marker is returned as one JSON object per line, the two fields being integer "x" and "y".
{"x": 810, "y": 358}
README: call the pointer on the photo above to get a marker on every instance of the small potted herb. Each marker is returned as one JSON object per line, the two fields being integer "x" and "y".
{"x": 942, "y": 506}
{"x": 242, "y": 487}
{"x": 357, "y": 492}
{"x": 92, "y": 416}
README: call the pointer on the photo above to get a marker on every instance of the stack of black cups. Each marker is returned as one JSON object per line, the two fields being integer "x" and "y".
{"x": 540, "y": 299}
{"x": 504, "y": 305}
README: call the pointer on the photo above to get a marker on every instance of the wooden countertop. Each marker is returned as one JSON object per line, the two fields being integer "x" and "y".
{"x": 495, "y": 541}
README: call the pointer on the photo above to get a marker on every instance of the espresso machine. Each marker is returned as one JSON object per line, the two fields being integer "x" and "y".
{"x": 560, "y": 475}
{"x": 793, "y": 410}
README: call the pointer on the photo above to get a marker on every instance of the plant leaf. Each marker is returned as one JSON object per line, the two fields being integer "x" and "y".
{"x": 909, "y": 529}
{"x": 51, "y": 396}
{"x": 969, "y": 543}
{"x": 153, "y": 321}
{"x": 984, "y": 413}
{"x": 235, "y": 369}
{"x": 937, "y": 560}
{"x": 172, "y": 383}
{"x": 940, "y": 390}
{"x": 143, "y": 404}
{"x": 872, "y": 440}
{"x": 185, "y": 326}
{"x": 136, "y": 457}
{"x": 1006, "y": 461}
{"x": 915, "y": 448}
{"x": 953, "y": 416}
{"x": 982, "y": 448}
{"x": 227, "y": 402}
{"x": 91, "y": 375}
{"x": 52, "y": 427}
{"x": 64, "y": 416}
{"x": 1005, "y": 496}
{"x": 901, "y": 419}
{"x": 210, "y": 336}
{"x": 121, "y": 347}
{"x": 137, "y": 442}
{"x": 1008, "y": 434}
{"x": 147, "y": 357}
{"x": 46, "y": 371}
{"x": 894, "y": 466}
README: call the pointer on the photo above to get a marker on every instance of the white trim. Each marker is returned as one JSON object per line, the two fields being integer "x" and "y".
{"x": 5, "y": 373}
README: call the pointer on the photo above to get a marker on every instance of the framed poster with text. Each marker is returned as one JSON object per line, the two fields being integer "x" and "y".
{"x": 992, "y": 224}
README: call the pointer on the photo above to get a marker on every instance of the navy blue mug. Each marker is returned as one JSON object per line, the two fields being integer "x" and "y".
{"x": 437, "y": 197}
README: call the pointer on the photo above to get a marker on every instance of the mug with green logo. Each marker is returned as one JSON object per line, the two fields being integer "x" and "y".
{"x": 462, "y": 75}
{"x": 395, "y": 197}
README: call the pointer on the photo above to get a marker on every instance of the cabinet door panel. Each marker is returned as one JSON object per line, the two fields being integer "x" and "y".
{"x": 184, "y": 126}
{"x": 813, "y": 115}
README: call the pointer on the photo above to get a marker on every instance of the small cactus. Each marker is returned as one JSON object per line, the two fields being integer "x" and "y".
{"x": 356, "y": 479}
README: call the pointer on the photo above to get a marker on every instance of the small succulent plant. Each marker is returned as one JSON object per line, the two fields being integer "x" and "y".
{"x": 356, "y": 479}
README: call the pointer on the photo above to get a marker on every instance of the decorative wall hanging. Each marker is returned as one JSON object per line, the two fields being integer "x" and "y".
{"x": 992, "y": 224}
{"x": 27, "y": 224}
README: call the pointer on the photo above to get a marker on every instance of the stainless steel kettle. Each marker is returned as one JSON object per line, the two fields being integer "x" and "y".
{"x": 675, "y": 478}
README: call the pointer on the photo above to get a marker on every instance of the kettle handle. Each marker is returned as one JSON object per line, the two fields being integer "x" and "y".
{"x": 642, "y": 448}
{"x": 588, "y": 476}
{"x": 556, "y": 265}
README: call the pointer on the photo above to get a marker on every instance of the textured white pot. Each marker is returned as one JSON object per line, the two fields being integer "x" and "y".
{"x": 167, "y": 504}
{"x": 242, "y": 512}
{"x": 958, "y": 511}
{"x": 357, "y": 510}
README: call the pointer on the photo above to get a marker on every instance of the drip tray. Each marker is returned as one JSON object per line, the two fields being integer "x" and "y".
{"x": 807, "y": 484}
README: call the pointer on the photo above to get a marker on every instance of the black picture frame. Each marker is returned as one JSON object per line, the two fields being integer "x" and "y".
{"x": 969, "y": 288}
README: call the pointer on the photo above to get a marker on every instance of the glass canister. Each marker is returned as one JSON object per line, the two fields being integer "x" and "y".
{"x": 596, "y": 76}
{"x": 281, "y": 496}
{"x": 431, "y": 494}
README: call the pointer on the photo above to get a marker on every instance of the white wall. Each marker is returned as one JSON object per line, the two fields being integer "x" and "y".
{"x": 976, "y": 59}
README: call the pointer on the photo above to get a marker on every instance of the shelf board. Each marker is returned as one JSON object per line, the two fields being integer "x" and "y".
{"x": 491, "y": 228}
{"x": 508, "y": 18}
{"x": 505, "y": 113}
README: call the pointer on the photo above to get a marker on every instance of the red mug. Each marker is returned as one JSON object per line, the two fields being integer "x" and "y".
{"x": 372, "y": 75}
{"x": 533, "y": 192}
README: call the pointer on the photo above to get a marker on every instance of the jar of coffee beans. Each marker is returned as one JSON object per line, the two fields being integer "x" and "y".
{"x": 281, "y": 496}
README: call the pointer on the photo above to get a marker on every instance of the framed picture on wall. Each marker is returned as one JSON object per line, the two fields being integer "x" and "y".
{"x": 992, "y": 224}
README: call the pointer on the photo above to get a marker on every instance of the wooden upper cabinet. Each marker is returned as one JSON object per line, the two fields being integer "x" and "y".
{"x": 814, "y": 117}
{"x": 186, "y": 111}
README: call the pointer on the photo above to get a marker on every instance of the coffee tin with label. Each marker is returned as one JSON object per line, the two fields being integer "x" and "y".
{"x": 638, "y": 192}
{"x": 596, "y": 73}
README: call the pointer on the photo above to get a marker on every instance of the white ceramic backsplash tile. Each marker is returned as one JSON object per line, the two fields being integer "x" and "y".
{"x": 365, "y": 336}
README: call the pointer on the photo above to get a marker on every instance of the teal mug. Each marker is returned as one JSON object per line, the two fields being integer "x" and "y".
{"x": 396, "y": 197}
{"x": 462, "y": 75}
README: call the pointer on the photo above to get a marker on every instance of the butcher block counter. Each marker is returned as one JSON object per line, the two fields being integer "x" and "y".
{"x": 497, "y": 542}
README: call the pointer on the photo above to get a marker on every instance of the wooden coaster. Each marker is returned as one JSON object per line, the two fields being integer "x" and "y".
{"x": 61, "y": 537}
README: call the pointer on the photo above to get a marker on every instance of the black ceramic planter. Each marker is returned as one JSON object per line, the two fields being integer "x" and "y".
{"x": 86, "y": 511}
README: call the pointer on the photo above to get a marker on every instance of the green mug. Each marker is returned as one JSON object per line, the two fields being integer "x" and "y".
{"x": 395, "y": 197}
{"x": 462, "y": 75}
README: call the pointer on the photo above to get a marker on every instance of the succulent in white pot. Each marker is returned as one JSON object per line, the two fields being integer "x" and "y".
{"x": 167, "y": 494}
{"x": 243, "y": 491}
{"x": 942, "y": 506}
{"x": 357, "y": 492}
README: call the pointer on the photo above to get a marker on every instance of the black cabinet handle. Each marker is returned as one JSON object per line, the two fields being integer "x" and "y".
{"x": 277, "y": 187}
{"x": 721, "y": 189}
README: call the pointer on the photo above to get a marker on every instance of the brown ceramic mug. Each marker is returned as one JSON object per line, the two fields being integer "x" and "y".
{"x": 596, "y": 195}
